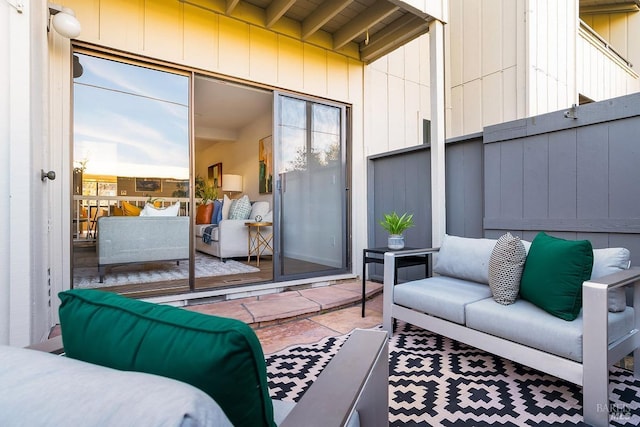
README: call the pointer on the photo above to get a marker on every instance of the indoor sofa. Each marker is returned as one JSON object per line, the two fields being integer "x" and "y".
{"x": 458, "y": 302}
{"x": 131, "y": 239}
{"x": 230, "y": 237}
{"x": 130, "y": 362}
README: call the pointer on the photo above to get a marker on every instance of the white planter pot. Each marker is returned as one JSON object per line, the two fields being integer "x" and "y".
{"x": 395, "y": 241}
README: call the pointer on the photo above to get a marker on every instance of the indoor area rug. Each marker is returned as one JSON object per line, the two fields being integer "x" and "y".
{"x": 435, "y": 381}
{"x": 130, "y": 274}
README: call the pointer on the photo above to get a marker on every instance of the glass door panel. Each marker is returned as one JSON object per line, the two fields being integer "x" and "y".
{"x": 311, "y": 184}
{"x": 130, "y": 159}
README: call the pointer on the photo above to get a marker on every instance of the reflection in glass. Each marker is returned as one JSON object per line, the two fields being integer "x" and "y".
{"x": 312, "y": 205}
{"x": 130, "y": 148}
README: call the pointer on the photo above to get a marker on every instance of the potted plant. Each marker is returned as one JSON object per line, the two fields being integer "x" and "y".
{"x": 205, "y": 191}
{"x": 395, "y": 226}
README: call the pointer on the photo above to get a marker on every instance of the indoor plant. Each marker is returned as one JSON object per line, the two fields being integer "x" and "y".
{"x": 395, "y": 226}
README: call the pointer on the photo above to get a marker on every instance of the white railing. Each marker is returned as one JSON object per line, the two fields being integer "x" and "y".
{"x": 87, "y": 210}
{"x": 602, "y": 73}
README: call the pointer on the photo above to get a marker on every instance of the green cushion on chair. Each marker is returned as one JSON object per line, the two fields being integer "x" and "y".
{"x": 554, "y": 272}
{"x": 220, "y": 356}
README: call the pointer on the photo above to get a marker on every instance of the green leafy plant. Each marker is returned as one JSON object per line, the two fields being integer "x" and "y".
{"x": 395, "y": 224}
{"x": 205, "y": 191}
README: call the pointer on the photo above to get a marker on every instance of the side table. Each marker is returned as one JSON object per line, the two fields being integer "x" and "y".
{"x": 376, "y": 256}
{"x": 259, "y": 241}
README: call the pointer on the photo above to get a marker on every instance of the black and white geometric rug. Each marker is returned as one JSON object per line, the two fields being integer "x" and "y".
{"x": 435, "y": 381}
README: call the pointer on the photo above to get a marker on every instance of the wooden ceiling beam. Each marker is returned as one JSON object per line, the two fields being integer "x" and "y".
{"x": 323, "y": 14}
{"x": 230, "y": 6}
{"x": 399, "y": 32}
{"x": 276, "y": 10}
{"x": 360, "y": 24}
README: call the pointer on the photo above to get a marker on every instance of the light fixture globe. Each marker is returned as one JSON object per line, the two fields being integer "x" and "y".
{"x": 66, "y": 23}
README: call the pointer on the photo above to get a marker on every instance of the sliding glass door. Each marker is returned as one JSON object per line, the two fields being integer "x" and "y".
{"x": 310, "y": 188}
{"x": 130, "y": 163}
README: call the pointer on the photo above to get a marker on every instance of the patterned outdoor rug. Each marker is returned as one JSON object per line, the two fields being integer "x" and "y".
{"x": 435, "y": 381}
{"x": 129, "y": 274}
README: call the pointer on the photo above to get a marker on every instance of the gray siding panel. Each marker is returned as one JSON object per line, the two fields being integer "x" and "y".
{"x": 575, "y": 179}
{"x": 580, "y": 179}
{"x": 562, "y": 174}
{"x": 593, "y": 173}
{"x": 536, "y": 177}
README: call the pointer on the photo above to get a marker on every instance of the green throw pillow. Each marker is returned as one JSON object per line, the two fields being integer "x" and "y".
{"x": 220, "y": 356}
{"x": 553, "y": 274}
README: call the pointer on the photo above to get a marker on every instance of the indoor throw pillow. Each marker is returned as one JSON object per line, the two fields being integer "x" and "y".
{"x": 505, "y": 268}
{"x": 240, "y": 208}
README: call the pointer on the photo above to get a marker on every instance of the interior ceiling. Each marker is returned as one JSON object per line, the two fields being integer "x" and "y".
{"x": 376, "y": 26}
{"x": 222, "y": 109}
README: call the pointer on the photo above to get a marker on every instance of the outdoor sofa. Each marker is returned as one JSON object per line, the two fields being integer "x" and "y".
{"x": 131, "y": 362}
{"x": 458, "y": 302}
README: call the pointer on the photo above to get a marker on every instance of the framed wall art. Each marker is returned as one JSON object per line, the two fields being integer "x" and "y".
{"x": 148, "y": 185}
{"x": 215, "y": 175}
{"x": 265, "y": 160}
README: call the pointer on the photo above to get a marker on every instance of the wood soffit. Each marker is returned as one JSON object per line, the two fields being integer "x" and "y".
{"x": 368, "y": 28}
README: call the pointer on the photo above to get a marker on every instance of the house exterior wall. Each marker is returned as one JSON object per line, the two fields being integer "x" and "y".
{"x": 199, "y": 38}
{"x": 605, "y": 73}
{"x": 24, "y": 312}
{"x": 508, "y": 60}
{"x": 621, "y": 30}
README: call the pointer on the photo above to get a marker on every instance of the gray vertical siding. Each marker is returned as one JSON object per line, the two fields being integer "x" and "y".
{"x": 577, "y": 179}
{"x": 400, "y": 181}
{"x": 464, "y": 182}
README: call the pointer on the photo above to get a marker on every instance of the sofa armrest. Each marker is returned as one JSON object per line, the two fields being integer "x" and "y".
{"x": 389, "y": 281}
{"x": 355, "y": 381}
{"x": 597, "y": 354}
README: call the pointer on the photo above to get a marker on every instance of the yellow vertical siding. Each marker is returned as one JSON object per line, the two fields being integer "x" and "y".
{"x": 263, "y": 50}
{"x": 290, "y": 63}
{"x": 238, "y": 46}
{"x": 201, "y": 38}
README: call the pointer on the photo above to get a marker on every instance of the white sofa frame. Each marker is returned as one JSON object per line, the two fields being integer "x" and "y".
{"x": 592, "y": 374}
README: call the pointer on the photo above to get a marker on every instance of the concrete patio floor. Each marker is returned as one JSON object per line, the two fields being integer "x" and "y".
{"x": 304, "y": 316}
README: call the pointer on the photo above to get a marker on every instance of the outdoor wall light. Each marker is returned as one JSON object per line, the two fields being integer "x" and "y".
{"x": 64, "y": 21}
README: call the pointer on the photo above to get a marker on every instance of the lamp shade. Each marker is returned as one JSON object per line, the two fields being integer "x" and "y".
{"x": 66, "y": 23}
{"x": 231, "y": 182}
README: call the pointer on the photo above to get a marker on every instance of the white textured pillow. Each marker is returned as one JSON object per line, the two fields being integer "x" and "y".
{"x": 505, "y": 268}
{"x": 259, "y": 208}
{"x": 465, "y": 258}
{"x": 241, "y": 208}
{"x": 226, "y": 205}
{"x": 150, "y": 210}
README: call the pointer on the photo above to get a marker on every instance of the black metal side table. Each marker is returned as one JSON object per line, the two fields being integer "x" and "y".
{"x": 376, "y": 256}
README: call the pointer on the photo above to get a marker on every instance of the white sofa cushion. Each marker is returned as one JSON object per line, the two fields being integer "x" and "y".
{"x": 150, "y": 210}
{"x": 465, "y": 258}
{"x": 527, "y": 324}
{"x": 89, "y": 395}
{"x": 441, "y": 296}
